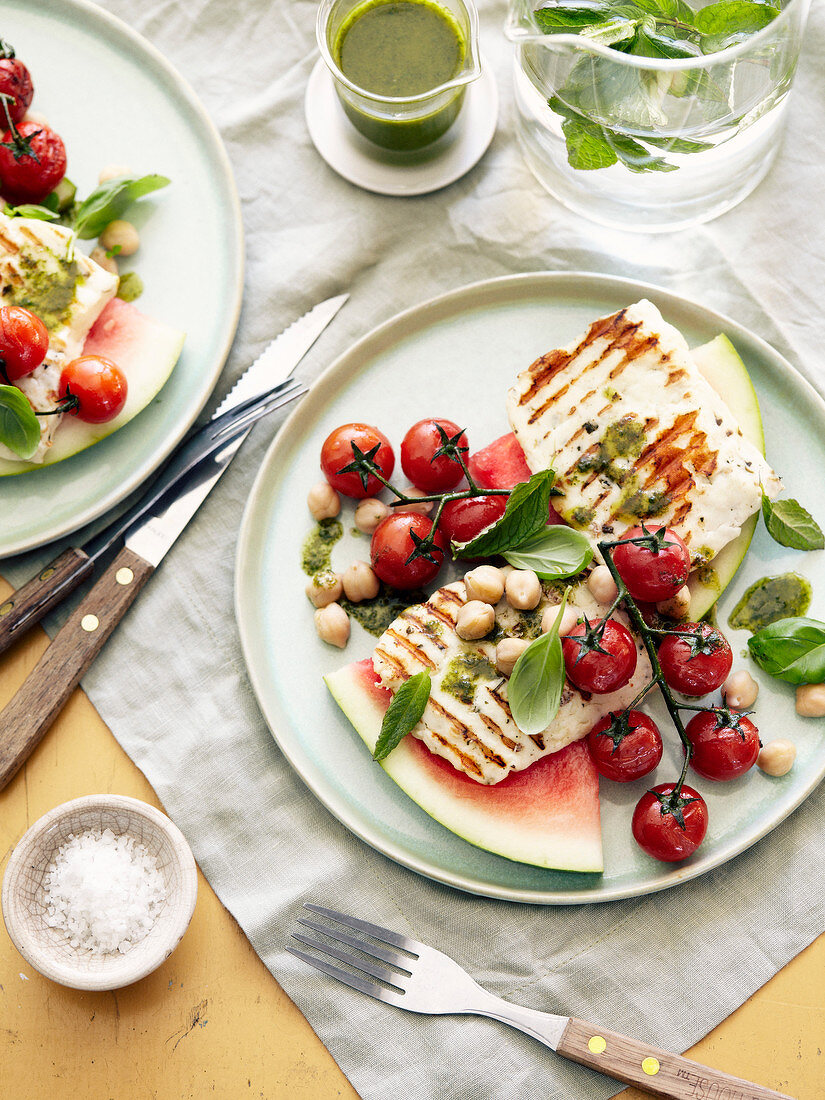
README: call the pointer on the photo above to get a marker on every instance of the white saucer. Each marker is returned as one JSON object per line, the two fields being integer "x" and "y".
{"x": 387, "y": 173}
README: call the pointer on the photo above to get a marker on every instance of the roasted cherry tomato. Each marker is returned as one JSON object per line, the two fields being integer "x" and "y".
{"x": 418, "y": 456}
{"x": 725, "y": 743}
{"x": 24, "y": 342}
{"x": 462, "y": 520}
{"x": 98, "y": 384}
{"x": 652, "y": 573}
{"x": 625, "y": 746}
{"x": 602, "y": 663}
{"x": 697, "y": 660}
{"x": 657, "y": 827}
{"x": 16, "y": 82}
{"x": 337, "y": 453}
{"x": 32, "y": 163}
{"x": 391, "y": 546}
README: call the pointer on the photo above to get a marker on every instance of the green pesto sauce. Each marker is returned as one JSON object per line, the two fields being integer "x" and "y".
{"x": 527, "y": 626}
{"x": 581, "y": 517}
{"x": 709, "y": 577}
{"x": 316, "y": 553}
{"x": 48, "y": 288}
{"x": 769, "y": 599}
{"x": 464, "y": 673}
{"x": 375, "y": 615}
{"x": 641, "y": 503}
{"x": 621, "y": 443}
{"x": 129, "y": 286}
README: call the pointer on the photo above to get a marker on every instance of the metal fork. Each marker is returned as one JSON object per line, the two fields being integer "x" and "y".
{"x": 421, "y": 979}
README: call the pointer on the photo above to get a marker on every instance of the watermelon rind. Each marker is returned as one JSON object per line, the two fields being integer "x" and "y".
{"x": 517, "y": 819}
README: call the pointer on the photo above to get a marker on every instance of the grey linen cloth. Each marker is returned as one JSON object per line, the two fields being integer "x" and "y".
{"x": 172, "y": 685}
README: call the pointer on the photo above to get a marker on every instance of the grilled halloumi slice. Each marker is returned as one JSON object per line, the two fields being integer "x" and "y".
{"x": 41, "y": 270}
{"x": 634, "y": 431}
{"x": 467, "y": 719}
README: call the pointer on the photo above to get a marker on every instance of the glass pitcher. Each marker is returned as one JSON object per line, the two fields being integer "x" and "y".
{"x": 650, "y": 143}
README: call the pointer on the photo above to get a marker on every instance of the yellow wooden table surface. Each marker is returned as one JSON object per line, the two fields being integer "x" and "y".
{"x": 213, "y": 1022}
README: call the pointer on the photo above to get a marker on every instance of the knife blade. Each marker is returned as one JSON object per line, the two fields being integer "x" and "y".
{"x": 273, "y": 366}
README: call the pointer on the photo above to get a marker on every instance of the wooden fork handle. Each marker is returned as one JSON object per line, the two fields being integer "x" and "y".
{"x": 35, "y": 706}
{"x": 29, "y": 604}
{"x": 653, "y": 1070}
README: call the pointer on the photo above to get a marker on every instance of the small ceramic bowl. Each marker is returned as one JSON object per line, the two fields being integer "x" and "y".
{"x": 47, "y": 949}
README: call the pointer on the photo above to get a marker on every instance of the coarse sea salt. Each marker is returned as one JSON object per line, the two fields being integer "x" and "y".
{"x": 103, "y": 891}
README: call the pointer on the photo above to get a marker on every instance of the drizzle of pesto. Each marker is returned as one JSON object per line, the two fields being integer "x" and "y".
{"x": 641, "y": 503}
{"x": 528, "y": 626}
{"x": 769, "y": 599}
{"x": 623, "y": 440}
{"x": 48, "y": 288}
{"x": 581, "y": 517}
{"x": 709, "y": 577}
{"x": 464, "y": 673}
{"x": 375, "y": 615}
{"x": 316, "y": 553}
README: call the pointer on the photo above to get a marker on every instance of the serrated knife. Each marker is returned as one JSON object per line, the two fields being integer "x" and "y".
{"x": 149, "y": 529}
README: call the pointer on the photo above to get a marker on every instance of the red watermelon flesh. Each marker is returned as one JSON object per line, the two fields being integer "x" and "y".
{"x": 547, "y": 815}
{"x": 502, "y": 465}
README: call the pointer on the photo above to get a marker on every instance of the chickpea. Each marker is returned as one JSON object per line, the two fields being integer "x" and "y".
{"x": 523, "y": 589}
{"x": 122, "y": 236}
{"x": 740, "y": 690}
{"x": 323, "y": 501}
{"x": 422, "y": 509}
{"x": 678, "y": 606}
{"x": 108, "y": 263}
{"x": 360, "y": 583}
{"x": 568, "y": 619}
{"x": 475, "y": 619}
{"x": 332, "y": 624}
{"x": 36, "y": 118}
{"x": 810, "y": 700}
{"x": 113, "y": 172}
{"x": 324, "y": 588}
{"x": 369, "y": 514}
{"x": 485, "y": 583}
{"x": 777, "y": 757}
{"x": 602, "y": 586}
{"x": 508, "y": 652}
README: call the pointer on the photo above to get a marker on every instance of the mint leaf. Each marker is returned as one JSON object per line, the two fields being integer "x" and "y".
{"x": 404, "y": 712}
{"x": 526, "y": 513}
{"x": 792, "y": 650}
{"x": 587, "y": 147}
{"x": 730, "y": 21}
{"x": 110, "y": 201}
{"x": 552, "y": 553}
{"x": 563, "y": 15}
{"x": 19, "y": 429}
{"x": 535, "y": 687}
{"x": 790, "y": 524}
{"x": 611, "y": 32}
{"x": 634, "y": 156}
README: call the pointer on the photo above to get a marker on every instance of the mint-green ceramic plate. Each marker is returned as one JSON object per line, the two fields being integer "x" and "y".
{"x": 115, "y": 100}
{"x": 455, "y": 356}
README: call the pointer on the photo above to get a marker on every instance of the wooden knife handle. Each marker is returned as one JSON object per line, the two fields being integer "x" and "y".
{"x": 653, "y": 1070}
{"x": 32, "y": 710}
{"x": 29, "y": 604}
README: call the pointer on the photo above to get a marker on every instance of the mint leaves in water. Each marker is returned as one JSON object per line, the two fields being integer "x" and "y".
{"x": 404, "y": 712}
{"x": 609, "y": 109}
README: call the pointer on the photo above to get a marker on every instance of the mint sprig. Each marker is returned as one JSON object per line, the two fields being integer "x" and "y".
{"x": 404, "y": 712}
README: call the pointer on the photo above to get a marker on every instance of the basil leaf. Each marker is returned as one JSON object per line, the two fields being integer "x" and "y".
{"x": 404, "y": 711}
{"x": 791, "y": 650}
{"x": 535, "y": 686}
{"x": 110, "y": 201}
{"x": 19, "y": 429}
{"x": 553, "y": 553}
{"x": 29, "y": 210}
{"x": 790, "y": 524}
{"x": 526, "y": 513}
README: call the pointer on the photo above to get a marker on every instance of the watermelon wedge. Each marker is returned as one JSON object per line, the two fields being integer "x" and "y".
{"x": 547, "y": 815}
{"x": 502, "y": 465}
{"x": 145, "y": 350}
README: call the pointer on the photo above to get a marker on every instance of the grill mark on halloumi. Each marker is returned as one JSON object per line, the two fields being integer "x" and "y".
{"x": 470, "y": 737}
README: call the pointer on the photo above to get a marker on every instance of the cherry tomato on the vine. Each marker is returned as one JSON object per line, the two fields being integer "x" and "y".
{"x": 697, "y": 660}
{"x": 725, "y": 743}
{"x": 418, "y": 451}
{"x": 462, "y": 520}
{"x": 337, "y": 453}
{"x": 391, "y": 546}
{"x": 657, "y": 827}
{"x": 652, "y": 574}
{"x": 594, "y": 671}
{"x": 24, "y": 341}
{"x": 625, "y": 746}
{"x": 32, "y": 163}
{"x": 98, "y": 384}
{"x": 16, "y": 82}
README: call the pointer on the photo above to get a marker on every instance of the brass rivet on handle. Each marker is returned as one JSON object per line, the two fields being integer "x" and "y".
{"x": 47, "y": 572}
{"x": 597, "y": 1044}
{"x": 6, "y": 608}
{"x": 651, "y": 1066}
{"x": 124, "y": 575}
{"x": 90, "y": 623}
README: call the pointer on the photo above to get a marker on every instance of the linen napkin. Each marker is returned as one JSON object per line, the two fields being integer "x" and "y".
{"x": 171, "y": 682}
